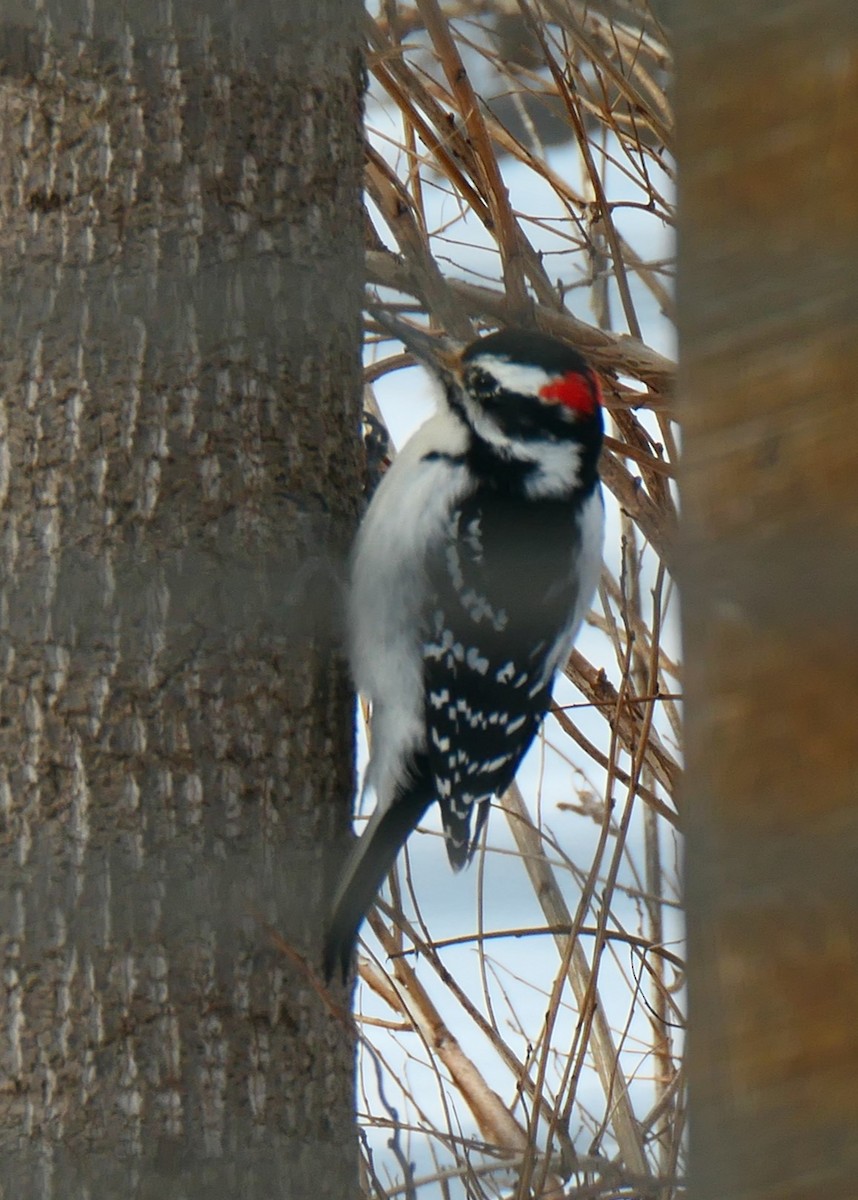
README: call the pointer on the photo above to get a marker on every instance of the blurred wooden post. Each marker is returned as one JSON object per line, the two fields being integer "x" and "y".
{"x": 768, "y": 296}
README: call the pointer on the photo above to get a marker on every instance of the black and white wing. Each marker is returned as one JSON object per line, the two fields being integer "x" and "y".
{"x": 506, "y": 606}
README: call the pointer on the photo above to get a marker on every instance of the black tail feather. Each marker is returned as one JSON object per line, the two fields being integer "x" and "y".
{"x": 461, "y": 842}
{"x": 366, "y": 868}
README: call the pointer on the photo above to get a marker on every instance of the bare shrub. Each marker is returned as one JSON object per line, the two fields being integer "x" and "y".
{"x": 519, "y": 171}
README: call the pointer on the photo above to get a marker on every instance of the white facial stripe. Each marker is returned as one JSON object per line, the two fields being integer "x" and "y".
{"x": 559, "y": 467}
{"x": 558, "y": 462}
{"x": 486, "y": 428}
{"x": 514, "y": 377}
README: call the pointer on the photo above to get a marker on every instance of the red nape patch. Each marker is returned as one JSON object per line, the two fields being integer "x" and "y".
{"x": 576, "y": 391}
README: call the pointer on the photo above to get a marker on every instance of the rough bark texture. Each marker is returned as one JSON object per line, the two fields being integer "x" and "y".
{"x": 768, "y": 109}
{"x": 180, "y": 280}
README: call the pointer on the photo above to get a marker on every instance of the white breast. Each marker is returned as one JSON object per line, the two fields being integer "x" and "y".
{"x": 409, "y": 512}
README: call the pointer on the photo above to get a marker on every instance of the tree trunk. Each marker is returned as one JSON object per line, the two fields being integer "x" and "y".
{"x": 180, "y": 248}
{"x": 768, "y": 297}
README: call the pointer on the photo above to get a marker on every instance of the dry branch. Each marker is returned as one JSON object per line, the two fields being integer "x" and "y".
{"x": 453, "y": 74}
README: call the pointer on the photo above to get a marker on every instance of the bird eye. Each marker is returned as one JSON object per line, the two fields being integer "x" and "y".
{"x": 479, "y": 382}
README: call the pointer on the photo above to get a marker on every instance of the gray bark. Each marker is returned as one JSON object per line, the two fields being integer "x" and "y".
{"x": 179, "y": 467}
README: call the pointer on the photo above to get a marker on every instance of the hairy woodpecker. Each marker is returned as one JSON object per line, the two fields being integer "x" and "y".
{"x": 472, "y": 570}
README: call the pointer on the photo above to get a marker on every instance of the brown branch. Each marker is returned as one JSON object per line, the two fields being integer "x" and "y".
{"x": 612, "y": 351}
{"x": 596, "y": 686}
